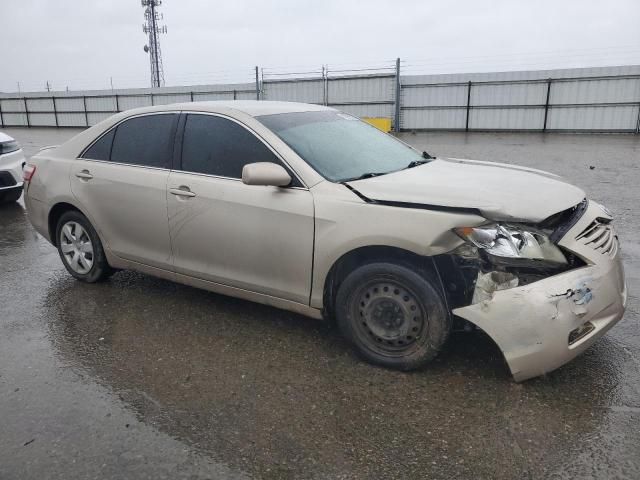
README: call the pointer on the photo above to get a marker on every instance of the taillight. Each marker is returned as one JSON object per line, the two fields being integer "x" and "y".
{"x": 27, "y": 172}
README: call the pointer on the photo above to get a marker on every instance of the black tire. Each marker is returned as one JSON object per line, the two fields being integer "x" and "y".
{"x": 99, "y": 269}
{"x": 11, "y": 195}
{"x": 393, "y": 315}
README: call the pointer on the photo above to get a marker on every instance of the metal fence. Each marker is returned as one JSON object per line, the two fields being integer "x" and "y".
{"x": 362, "y": 96}
{"x": 71, "y": 109}
{"x": 605, "y": 99}
{"x": 596, "y": 100}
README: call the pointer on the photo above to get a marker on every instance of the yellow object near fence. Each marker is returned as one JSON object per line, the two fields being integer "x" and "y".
{"x": 381, "y": 123}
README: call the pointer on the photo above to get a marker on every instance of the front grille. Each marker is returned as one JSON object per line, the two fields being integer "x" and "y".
{"x": 600, "y": 236}
{"x": 6, "y": 180}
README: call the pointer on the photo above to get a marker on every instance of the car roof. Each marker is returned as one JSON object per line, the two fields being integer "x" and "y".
{"x": 253, "y": 108}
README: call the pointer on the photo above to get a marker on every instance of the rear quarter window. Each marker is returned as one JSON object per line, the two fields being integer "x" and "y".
{"x": 101, "y": 149}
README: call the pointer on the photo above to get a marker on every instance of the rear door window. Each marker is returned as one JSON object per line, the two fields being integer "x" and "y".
{"x": 146, "y": 140}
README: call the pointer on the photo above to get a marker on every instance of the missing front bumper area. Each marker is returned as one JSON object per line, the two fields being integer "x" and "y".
{"x": 470, "y": 275}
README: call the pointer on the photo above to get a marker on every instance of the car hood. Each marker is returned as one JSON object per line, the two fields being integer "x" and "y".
{"x": 5, "y": 138}
{"x": 499, "y": 191}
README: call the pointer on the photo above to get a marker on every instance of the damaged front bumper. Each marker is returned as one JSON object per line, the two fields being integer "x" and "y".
{"x": 543, "y": 325}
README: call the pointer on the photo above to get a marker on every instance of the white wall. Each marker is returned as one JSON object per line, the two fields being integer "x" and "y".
{"x": 589, "y": 99}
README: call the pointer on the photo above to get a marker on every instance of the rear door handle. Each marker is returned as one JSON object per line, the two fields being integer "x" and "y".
{"x": 182, "y": 191}
{"x": 84, "y": 174}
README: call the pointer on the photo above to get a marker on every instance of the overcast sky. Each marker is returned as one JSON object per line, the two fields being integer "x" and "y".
{"x": 81, "y": 44}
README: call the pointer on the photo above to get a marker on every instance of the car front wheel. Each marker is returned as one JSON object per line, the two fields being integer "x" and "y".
{"x": 80, "y": 248}
{"x": 393, "y": 315}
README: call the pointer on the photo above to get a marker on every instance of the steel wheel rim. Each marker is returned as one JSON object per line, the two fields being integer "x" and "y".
{"x": 76, "y": 247}
{"x": 390, "y": 318}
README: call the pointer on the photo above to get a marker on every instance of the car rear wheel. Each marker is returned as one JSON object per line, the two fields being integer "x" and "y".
{"x": 393, "y": 315}
{"x": 10, "y": 195}
{"x": 80, "y": 248}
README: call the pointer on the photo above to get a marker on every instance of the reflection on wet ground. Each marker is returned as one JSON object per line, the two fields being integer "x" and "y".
{"x": 139, "y": 377}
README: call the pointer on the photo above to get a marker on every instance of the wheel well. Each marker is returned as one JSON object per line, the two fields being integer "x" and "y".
{"x": 54, "y": 215}
{"x": 348, "y": 262}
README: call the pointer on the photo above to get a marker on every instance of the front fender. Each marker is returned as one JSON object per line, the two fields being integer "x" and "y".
{"x": 344, "y": 222}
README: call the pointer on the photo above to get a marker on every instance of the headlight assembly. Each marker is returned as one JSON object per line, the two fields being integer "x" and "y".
{"x": 513, "y": 241}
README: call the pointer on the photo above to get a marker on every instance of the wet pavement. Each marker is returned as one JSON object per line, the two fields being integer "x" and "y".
{"x": 142, "y": 378}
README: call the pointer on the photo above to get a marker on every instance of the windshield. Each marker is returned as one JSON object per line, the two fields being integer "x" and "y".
{"x": 341, "y": 147}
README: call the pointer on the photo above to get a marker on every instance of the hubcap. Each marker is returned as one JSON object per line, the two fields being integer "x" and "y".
{"x": 76, "y": 247}
{"x": 391, "y": 318}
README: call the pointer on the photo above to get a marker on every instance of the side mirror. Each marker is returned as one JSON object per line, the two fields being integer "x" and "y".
{"x": 265, "y": 173}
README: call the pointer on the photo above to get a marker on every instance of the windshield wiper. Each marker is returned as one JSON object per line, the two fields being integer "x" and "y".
{"x": 415, "y": 163}
{"x": 364, "y": 175}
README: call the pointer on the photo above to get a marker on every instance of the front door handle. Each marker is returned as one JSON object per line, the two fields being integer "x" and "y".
{"x": 182, "y": 191}
{"x": 84, "y": 174}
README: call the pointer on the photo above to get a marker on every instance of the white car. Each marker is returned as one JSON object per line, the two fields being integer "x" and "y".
{"x": 11, "y": 163}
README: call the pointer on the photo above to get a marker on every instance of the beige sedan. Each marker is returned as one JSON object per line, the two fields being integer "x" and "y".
{"x": 311, "y": 210}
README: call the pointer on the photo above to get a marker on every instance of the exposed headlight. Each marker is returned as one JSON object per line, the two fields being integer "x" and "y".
{"x": 8, "y": 147}
{"x": 513, "y": 241}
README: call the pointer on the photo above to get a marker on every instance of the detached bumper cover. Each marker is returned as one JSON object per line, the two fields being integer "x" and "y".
{"x": 531, "y": 324}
